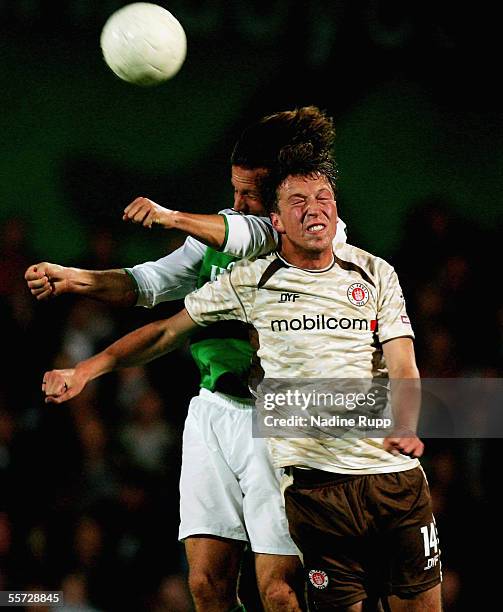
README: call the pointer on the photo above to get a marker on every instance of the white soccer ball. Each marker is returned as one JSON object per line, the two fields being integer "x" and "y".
{"x": 143, "y": 44}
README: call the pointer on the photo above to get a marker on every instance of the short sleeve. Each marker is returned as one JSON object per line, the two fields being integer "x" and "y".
{"x": 392, "y": 318}
{"x": 249, "y": 236}
{"x": 226, "y": 298}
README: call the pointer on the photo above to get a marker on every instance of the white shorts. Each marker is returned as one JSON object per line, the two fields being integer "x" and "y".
{"x": 228, "y": 487}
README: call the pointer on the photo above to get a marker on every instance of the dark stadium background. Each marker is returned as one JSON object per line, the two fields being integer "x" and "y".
{"x": 415, "y": 91}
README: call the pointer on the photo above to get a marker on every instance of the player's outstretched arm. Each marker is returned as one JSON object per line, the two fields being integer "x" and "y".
{"x": 146, "y": 284}
{"x": 136, "y": 348}
{"x": 405, "y": 397}
{"x": 249, "y": 236}
{"x": 244, "y": 236}
{"x": 46, "y": 280}
{"x": 209, "y": 229}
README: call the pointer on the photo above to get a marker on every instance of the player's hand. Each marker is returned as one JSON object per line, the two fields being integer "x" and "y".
{"x": 405, "y": 444}
{"x": 46, "y": 280}
{"x": 59, "y": 386}
{"x": 148, "y": 213}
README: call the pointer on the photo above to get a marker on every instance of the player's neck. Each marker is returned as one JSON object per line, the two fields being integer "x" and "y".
{"x": 307, "y": 260}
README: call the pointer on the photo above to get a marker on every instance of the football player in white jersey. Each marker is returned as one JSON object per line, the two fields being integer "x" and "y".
{"x": 225, "y": 500}
{"x": 359, "y": 507}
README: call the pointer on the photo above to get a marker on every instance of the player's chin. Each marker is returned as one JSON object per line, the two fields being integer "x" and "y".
{"x": 319, "y": 243}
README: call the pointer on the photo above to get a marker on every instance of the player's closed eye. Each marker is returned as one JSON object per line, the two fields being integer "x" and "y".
{"x": 325, "y": 195}
{"x": 245, "y": 194}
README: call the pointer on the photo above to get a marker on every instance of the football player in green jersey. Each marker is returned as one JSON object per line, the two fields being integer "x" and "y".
{"x": 229, "y": 492}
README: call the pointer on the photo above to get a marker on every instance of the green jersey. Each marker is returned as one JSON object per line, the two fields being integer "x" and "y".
{"x": 222, "y": 351}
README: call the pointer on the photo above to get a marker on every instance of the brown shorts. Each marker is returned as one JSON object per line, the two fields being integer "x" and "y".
{"x": 363, "y": 536}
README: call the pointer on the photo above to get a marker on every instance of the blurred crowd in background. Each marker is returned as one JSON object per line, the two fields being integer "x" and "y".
{"x": 89, "y": 501}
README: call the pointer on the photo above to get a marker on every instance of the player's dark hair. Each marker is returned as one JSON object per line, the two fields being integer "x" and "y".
{"x": 260, "y": 144}
{"x": 296, "y": 160}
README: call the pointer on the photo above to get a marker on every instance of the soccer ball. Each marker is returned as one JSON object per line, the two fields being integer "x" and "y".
{"x": 143, "y": 44}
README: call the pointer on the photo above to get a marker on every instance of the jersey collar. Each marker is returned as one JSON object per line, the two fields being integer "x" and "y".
{"x": 329, "y": 267}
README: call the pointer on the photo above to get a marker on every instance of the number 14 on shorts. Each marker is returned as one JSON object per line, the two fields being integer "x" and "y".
{"x": 430, "y": 541}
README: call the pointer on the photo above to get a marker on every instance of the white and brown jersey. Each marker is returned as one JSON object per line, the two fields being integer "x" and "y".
{"x": 316, "y": 324}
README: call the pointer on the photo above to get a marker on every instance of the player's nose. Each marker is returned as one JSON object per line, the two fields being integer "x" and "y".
{"x": 240, "y": 203}
{"x": 313, "y": 208}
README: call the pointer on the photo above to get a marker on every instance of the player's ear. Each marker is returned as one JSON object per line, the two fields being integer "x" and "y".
{"x": 277, "y": 223}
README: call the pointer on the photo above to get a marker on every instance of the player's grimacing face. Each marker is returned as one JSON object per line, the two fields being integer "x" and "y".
{"x": 247, "y": 199}
{"x": 307, "y": 213}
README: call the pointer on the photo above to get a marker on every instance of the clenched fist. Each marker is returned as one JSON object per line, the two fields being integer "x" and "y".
{"x": 148, "y": 213}
{"x": 407, "y": 444}
{"x": 47, "y": 280}
{"x": 59, "y": 386}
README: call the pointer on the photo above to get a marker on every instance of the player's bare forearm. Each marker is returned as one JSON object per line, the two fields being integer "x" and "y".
{"x": 47, "y": 280}
{"x": 115, "y": 287}
{"x": 406, "y": 404}
{"x": 209, "y": 229}
{"x": 136, "y": 348}
{"x": 405, "y": 397}
{"x": 146, "y": 343}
